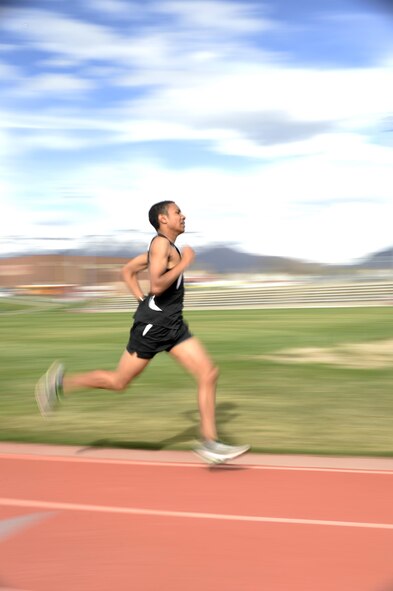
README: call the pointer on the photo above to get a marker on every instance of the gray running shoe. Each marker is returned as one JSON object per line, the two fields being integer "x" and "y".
{"x": 49, "y": 389}
{"x": 216, "y": 452}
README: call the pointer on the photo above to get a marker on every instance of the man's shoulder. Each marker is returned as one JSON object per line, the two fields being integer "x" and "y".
{"x": 159, "y": 244}
{"x": 158, "y": 239}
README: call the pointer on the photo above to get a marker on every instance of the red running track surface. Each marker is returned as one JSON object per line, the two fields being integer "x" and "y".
{"x": 78, "y": 524}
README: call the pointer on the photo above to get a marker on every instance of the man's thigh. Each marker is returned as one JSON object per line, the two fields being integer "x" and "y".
{"x": 193, "y": 356}
{"x": 130, "y": 365}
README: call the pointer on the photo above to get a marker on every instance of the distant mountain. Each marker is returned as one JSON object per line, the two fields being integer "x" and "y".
{"x": 223, "y": 259}
{"x": 215, "y": 259}
{"x": 378, "y": 260}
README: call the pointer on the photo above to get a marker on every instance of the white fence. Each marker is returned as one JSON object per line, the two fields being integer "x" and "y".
{"x": 316, "y": 295}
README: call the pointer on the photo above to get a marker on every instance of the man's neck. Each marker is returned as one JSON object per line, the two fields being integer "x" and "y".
{"x": 170, "y": 235}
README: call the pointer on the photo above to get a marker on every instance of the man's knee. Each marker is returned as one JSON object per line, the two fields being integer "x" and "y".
{"x": 210, "y": 374}
{"x": 119, "y": 384}
{"x": 215, "y": 373}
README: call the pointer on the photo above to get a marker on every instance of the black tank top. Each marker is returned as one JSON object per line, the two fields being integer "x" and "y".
{"x": 165, "y": 309}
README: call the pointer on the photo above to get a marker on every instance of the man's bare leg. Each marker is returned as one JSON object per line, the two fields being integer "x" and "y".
{"x": 193, "y": 356}
{"x": 128, "y": 368}
{"x": 53, "y": 384}
{"x": 195, "y": 359}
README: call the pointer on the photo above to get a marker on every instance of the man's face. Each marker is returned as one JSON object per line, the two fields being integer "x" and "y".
{"x": 175, "y": 219}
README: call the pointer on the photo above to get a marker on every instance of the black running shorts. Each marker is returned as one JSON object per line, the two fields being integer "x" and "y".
{"x": 146, "y": 340}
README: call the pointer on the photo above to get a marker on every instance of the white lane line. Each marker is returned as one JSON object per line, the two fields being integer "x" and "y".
{"x": 236, "y": 464}
{"x": 6, "y": 502}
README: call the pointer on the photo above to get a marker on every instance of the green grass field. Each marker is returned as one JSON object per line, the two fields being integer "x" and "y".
{"x": 331, "y": 393}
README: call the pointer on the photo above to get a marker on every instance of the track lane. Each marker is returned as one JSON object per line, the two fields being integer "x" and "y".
{"x": 143, "y": 537}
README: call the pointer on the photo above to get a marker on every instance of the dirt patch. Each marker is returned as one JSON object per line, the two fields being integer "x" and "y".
{"x": 373, "y": 355}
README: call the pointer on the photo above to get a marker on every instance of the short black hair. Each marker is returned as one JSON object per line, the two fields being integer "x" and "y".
{"x": 156, "y": 210}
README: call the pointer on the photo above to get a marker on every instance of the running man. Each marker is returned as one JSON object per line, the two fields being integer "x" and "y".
{"x": 158, "y": 326}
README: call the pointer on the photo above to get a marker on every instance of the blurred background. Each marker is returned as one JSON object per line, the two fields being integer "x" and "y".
{"x": 269, "y": 124}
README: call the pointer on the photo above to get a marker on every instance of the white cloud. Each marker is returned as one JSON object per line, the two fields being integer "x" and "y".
{"x": 79, "y": 40}
{"x": 230, "y": 17}
{"x": 57, "y": 63}
{"x": 259, "y": 104}
{"x": 197, "y": 112}
{"x": 301, "y": 94}
{"x": 14, "y": 219}
{"x": 310, "y": 208}
{"x": 53, "y": 84}
{"x": 54, "y": 141}
{"x": 6, "y": 47}
{"x": 3, "y": 143}
{"x": 198, "y": 34}
{"x": 8, "y": 71}
{"x": 112, "y": 7}
{"x": 323, "y": 189}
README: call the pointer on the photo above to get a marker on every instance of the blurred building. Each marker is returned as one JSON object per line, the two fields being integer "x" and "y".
{"x": 92, "y": 276}
{"x": 56, "y": 274}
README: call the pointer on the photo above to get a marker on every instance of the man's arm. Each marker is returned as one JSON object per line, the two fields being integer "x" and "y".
{"x": 130, "y": 272}
{"x": 160, "y": 278}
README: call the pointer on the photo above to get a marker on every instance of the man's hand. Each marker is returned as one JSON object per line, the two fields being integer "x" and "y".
{"x": 160, "y": 276}
{"x": 130, "y": 274}
{"x": 187, "y": 255}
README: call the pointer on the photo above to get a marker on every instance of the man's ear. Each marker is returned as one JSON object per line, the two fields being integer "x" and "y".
{"x": 162, "y": 218}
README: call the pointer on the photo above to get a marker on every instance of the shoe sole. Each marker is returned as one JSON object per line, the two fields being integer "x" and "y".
{"x": 39, "y": 389}
{"x": 57, "y": 369}
{"x": 43, "y": 386}
{"x": 219, "y": 459}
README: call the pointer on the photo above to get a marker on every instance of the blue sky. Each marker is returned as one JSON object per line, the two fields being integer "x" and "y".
{"x": 269, "y": 123}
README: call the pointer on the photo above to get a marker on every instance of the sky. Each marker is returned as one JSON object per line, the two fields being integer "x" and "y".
{"x": 270, "y": 123}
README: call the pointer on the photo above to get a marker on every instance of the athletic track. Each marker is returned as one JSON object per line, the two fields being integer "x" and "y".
{"x": 83, "y": 519}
